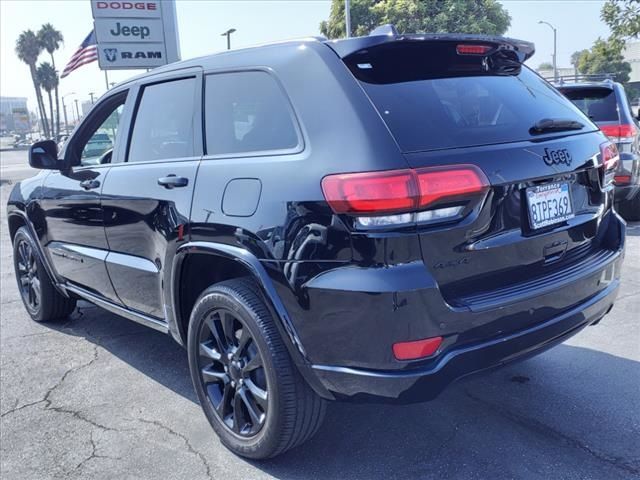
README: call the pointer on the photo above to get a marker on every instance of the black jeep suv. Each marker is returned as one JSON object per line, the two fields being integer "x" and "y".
{"x": 605, "y": 103}
{"x": 361, "y": 220}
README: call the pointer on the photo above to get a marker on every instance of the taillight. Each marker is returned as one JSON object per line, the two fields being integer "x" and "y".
{"x": 373, "y": 192}
{"x": 622, "y": 179}
{"x": 619, "y": 133}
{"x": 472, "y": 49}
{"x": 434, "y": 185}
{"x": 396, "y": 194}
{"x": 610, "y": 159}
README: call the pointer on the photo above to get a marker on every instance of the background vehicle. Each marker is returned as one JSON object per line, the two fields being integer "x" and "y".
{"x": 408, "y": 223}
{"x": 606, "y": 103}
{"x": 97, "y": 145}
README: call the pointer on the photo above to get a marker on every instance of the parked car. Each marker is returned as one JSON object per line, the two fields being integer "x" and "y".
{"x": 97, "y": 145}
{"x": 366, "y": 219}
{"x": 605, "y": 102}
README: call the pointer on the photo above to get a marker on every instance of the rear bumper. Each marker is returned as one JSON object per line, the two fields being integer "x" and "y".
{"x": 427, "y": 382}
{"x": 348, "y": 334}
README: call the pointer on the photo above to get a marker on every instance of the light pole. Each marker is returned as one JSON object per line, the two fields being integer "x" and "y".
{"x": 347, "y": 17}
{"x": 64, "y": 109}
{"x": 77, "y": 109}
{"x": 555, "y": 51}
{"x": 91, "y": 94}
{"x": 228, "y": 35}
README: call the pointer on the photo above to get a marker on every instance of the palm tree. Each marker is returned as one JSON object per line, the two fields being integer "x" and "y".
{"x": 28, "y": 48}
{"x": 48, "y": 80}
{"x": 50, "y": 39}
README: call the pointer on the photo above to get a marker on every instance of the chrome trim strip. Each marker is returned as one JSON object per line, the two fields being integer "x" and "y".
{"x": 131, "y": 261}
{"x": 118, "y": 310}
{"x": 65, "y": 249}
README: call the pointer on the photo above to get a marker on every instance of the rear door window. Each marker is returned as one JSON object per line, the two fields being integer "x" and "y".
{"x": 431, "y": 100}
{"x": 247, "y": 112}
{"x": 599, "y": 104}
{"x": 164, "y": 121}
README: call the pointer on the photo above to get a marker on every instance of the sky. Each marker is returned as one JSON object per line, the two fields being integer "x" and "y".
{"x": 200, "y": 23}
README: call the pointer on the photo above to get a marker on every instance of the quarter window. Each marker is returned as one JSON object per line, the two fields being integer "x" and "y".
{"x": 163, "y": 127}
{"x": 247, "y": 112}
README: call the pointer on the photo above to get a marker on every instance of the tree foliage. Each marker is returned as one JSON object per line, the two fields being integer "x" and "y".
{"x": 50, "y": 39}
{"x": 545, "y": 66}
{"x": 48, "y": 80}
{"x": 28, "y": 48}
{"x": 623, "y": 18}
{"x": 605, "y": 57}
{"x": 575, "y": 58}
{"x": 418, "y": 16}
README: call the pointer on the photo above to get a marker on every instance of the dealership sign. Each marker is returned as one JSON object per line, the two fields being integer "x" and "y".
{"x": 134, "y": 34}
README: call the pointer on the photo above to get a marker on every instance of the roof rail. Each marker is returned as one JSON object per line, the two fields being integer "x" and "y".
{"x": 388, "y": 29}
{"x": 582, "y": 77}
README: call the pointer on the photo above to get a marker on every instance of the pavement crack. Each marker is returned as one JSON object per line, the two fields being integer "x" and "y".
{"x": 93, "y": 454}
{"x": 547, "y": 431}
{"x": 183, "y": 438}
{"x": 67, "y": 373}
{"x": 16, "y": 409}
{"x": 49, "y": 403}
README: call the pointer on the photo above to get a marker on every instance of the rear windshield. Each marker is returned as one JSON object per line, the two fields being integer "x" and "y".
{"x": 599, "y": 104}
{"x": 431, "y": 101}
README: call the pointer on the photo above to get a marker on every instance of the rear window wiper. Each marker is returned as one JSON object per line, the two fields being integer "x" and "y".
{"x": 555, "y": 125}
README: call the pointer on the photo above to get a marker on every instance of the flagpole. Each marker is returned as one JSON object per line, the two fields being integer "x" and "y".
{"x": 106, "y": 80}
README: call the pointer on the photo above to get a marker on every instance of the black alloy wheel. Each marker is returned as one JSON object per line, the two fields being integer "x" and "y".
{"x": 248, "y": 386}
{"x": 232, "y": 372}
{"x": 28, "y": 275}
{"x": 41, "y": 298}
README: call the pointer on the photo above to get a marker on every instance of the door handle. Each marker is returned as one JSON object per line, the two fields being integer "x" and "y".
{"x": 171, "y": 181}
{"x": 89, "y": 184}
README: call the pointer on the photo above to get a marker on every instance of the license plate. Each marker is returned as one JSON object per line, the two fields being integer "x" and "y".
{"x": 549, "y": 204}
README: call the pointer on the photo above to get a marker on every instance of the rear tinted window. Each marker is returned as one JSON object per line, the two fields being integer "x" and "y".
{"x": 247, "y": 112}
{"x": 457, "y": 103}
{"x": 599, "y": 104}
{"x": 163, "y": 127}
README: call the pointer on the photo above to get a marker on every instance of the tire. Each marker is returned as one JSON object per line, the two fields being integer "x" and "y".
{"x": 630, "y": 210}
{"x": 43, "y": 302}
{"x": 286, "y": 411}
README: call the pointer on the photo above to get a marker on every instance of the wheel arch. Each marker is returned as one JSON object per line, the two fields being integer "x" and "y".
{"x": 246, "y": 264}
{"x": 18, "y": 218}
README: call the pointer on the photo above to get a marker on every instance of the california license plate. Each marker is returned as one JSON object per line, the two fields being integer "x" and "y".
{"x": 549, "y": 204}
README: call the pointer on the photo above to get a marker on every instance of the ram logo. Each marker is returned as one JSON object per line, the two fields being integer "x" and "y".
{"x": 111, "y": 54}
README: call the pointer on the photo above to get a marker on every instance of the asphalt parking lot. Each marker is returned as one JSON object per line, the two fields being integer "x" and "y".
{"x": 101, "y": 397}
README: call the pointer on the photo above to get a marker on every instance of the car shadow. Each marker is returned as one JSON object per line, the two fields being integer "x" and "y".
{"x": 545, "y": 397}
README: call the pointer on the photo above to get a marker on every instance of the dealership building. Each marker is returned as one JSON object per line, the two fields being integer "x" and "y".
{"x": 12, "y": 113}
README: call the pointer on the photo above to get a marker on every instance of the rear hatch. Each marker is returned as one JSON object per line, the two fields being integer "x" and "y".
{"x": 601, "y": 103}
{"x": 451, "y": 101}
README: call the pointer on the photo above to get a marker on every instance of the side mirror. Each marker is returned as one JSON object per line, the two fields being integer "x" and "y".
{"x": 44, "y": 155}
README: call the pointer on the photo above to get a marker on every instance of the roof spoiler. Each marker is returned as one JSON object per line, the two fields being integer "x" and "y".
{"x": 389, "y": 34}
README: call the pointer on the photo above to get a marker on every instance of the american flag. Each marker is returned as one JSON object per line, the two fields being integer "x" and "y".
{"x": 87, "y": 52}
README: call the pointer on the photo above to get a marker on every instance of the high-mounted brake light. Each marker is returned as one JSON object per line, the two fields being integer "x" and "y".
{"x": 619, "y": 133}
{"x": 402, "y": 191}
{"x": 416, "y": 349}
{"x": 472, "y": 49}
